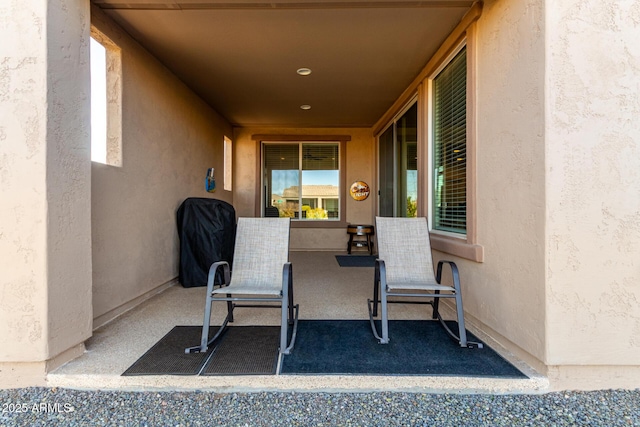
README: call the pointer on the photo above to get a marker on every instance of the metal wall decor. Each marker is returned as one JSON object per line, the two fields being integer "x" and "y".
{"x": 359, "y": 190}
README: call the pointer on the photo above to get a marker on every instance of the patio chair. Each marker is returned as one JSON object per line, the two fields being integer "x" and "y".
{"x": 404, "y": 268}
{"x": 262, "y": 274}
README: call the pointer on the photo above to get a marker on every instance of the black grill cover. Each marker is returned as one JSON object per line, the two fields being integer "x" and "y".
{"x": 207, "y": 232}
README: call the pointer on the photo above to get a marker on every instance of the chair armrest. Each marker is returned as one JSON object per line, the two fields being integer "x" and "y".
{"x": 212, "y": 274}
{"x": 287, "y": 274}
{"x": 454, "y": 272}
{"x": 380, "y": 272}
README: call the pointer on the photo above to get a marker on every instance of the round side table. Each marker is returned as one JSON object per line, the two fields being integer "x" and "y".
{"x": 360, "y": 236}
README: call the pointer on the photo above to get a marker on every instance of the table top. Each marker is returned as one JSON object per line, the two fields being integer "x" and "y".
{"x": 360, "y": 228}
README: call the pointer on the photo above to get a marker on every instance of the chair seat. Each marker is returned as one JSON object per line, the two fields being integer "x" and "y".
{"x": 250, "y": 289}
{"x": 419, "y": 286}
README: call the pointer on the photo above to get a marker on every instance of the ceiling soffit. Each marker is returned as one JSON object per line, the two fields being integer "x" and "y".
{"x": 241, "y": 57}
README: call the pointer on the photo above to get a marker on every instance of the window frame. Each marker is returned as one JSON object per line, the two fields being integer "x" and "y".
{"x": 113, "y": 59}
{"x": 431, "y": 148}
{"x": 461, "y": 245}
{"x": 341, "y": 140}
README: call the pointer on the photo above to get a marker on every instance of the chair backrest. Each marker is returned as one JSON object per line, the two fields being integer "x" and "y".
{"x": 404, "y": 245}
{"x": 262, "y": 248}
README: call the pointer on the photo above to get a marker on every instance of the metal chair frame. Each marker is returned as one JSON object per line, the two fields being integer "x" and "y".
{"x": 381, "y": 294}
{"x": 284, "y": 298}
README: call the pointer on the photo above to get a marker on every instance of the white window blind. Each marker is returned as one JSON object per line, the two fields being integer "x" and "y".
{"x": 281, "y": 157}
{"x": 450, "y": 146}
{"x": 319, "y": 157}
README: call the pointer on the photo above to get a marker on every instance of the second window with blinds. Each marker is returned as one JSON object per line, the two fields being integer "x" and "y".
{"x": 449, "y": 142}
{"x": 301, "y": 180}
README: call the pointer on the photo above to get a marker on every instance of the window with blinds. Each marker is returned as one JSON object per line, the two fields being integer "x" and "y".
{"x": 450, "y": 146}
{"x": 301, "y": 180}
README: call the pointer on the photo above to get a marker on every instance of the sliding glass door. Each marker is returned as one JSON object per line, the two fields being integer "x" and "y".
{"x": 398, "y": 166}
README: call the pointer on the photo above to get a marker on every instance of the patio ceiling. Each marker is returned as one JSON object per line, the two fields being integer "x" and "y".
{"x": 241, "y": 56}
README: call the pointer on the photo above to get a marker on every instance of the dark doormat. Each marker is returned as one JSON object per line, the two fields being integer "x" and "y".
{"x": 241, "y": 350}
{"x": 416, "y": 348}
{"x": 167, "y": 356}
{"x": 356, "y": 260}
{"x": 246, "y": 350}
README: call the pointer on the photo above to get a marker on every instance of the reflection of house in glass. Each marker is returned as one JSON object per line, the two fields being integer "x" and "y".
{"x": 318, "y": 202}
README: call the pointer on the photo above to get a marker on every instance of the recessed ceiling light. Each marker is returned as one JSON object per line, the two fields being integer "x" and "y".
{"x": 304, "y": 71}
{"x": 305, "y": 107}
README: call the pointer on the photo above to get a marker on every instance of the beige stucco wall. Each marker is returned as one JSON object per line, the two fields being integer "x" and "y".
{"x": 593, "y": 184}
{"x": 360, "y": 152}
{"x": 169, "y": 139}
{"x": 558, "y": 207}
{"x": 506, "y": 293}
{"x": 45, "y": 235}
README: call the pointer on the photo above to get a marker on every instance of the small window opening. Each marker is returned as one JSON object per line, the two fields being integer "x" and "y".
{"x": 228, "y": 164}
{"x": 106, "y": 100}
{"x": 98, "y": 102}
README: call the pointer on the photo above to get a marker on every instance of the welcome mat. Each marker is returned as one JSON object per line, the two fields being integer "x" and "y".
{"x": 417, "y": 347}
{"x": 356, "y": 260}
{"x": 241, "y": 350}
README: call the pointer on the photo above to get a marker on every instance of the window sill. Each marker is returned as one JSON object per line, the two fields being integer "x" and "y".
{"x": 458, "y": 247}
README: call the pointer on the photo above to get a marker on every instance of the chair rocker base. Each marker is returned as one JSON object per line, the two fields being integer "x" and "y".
{"x": 436, "y": 315}
{"x": 204, "y": 348}
{"x": 381, "y": 340}
{"x": 294, "y": 331}
{"x": 229, "y": 318}
{"x": 470, "y": 344}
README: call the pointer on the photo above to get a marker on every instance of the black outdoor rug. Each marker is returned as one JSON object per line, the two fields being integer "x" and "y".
{"x": 345, "y": 347}
{"x": 241, "y": 350}
{"x": 417, "y": 347}
{"x": 246, "y": 350}
{"x": 167, "y": 356}
{"x": 356, "y": 260}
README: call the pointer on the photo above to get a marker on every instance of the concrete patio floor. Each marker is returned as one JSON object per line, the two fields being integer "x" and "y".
{"x": 323, "y": 289}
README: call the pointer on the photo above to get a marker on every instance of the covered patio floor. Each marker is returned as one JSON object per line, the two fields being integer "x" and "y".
{"x": 323, "y": 289}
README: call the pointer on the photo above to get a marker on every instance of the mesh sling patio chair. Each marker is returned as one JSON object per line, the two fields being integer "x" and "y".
{"x": 261, "y": 274}
{"x": 404, "y": 268}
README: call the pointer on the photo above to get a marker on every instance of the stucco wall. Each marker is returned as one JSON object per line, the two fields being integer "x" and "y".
{"x": 169, "y": 139}
{"x": 593, "y": 188}
{"x": 360, "y": 152}
{"x": 45, "y": 236}
{"x": 506, "y": 292}
{"x": 557, "y": 186}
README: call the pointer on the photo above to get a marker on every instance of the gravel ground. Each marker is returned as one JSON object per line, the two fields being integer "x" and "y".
{"x": 51, "y": 406}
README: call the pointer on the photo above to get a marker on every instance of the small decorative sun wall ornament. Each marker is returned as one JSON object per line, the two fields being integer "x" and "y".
{"x": 359, "y": 190}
